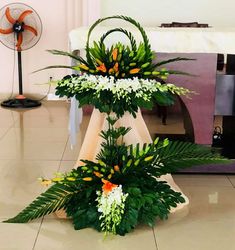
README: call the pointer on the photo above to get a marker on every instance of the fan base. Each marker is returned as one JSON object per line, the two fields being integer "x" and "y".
{"x": 17, "y": 103}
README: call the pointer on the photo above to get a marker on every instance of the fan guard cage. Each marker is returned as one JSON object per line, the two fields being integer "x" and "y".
{"x": 29, "y": 40}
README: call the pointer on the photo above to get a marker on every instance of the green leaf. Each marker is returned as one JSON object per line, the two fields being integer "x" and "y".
{"x": 54, "y": 199}
{"x": 54, "y": 67}
{"x": 64, "y": 53}
{"x": 176, "y": 59}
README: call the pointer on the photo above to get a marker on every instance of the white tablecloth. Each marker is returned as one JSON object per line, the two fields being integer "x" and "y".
{"x": 181, "y": 40}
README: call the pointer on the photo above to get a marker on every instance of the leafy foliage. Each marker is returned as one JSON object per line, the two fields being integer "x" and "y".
{"x": 136, "y": 168}
{"x": 118, "y": 96}
{"x": 120, "y": 61}
{"x": 55, "y": 198}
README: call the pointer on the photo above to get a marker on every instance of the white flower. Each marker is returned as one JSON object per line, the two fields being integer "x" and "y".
{"x": 111, "y": 205}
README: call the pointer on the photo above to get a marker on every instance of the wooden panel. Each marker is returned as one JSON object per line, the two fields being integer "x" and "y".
{"x": 201, "y": 107}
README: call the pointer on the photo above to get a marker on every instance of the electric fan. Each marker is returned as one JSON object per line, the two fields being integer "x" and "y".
{"x": 20, "y": 29}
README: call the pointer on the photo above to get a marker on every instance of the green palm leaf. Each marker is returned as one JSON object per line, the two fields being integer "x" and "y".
{"x": 177, "y": 72}
{"x": 128, "y": 19}
{"x": 55, "y": 198}
{"x": 178, "y": 154}
{"x": 55, "y": 67}
{"x": 175, "y": 59}
{"x": 128, "y": 34}
{"x": 64, "y": 53}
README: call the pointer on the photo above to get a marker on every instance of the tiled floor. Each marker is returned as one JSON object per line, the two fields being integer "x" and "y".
{"x": 35, "y": 143}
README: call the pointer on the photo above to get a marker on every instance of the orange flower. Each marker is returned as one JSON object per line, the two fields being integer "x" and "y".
{"x": 108, "y": 186}
{"x": 87, "y": 179}
{"x": 115, "y": 67}
{"x": 134, "y": 71}
{"x": 102, "y": 68}
{"x": 99, "y": 175}
{"x": 111, "y": 71}
{"x": 115, "y": 54}
{"x": 116, "y": 168}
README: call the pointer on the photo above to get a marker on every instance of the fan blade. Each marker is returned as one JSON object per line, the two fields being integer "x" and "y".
{"x": 8, "y": 31}
{"x": 8, "y": 16}
{"x": 19, "y": 41}
{"x": 30, "y": 28}
{"x": 23, "y": 15}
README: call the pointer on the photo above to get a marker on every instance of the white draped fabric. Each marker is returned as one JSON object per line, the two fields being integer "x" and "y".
{"x": 172, "y": 40}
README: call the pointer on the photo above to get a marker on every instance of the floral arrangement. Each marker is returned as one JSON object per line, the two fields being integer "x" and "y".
{"x": 118, "y": 95}
{"x": 120, "y": 189}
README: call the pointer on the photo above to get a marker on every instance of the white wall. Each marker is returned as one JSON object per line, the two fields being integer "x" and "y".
{"x": 155, "y": 12}
{"x": 58, "y": 18}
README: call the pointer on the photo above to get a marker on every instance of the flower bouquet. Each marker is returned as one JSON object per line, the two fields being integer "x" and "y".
{"x": 121, "y": 188}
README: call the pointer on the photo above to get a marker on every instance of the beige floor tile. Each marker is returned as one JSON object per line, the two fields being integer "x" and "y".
{"x": 202, "y": 180}
{"x": 231, "y": 179}
{"x": 19, "y": 183}
{"x": 66, "y": 166}
{"x": 71, "y": 152}
{"x": 18, "y": 236}
{"x": 3, "y": 131}
{"x": 10, "y": 149}
{"x": 44, "y": 151}
{"x": 8, "y": 118}
{"x": 31, "y": 151}
{"x": 209, "y": 223}
{"x": 42, "y": 122}
{"x": 51, "y": 108}
{"x": 37, "y": 134}
{"x": 59, "y": 234}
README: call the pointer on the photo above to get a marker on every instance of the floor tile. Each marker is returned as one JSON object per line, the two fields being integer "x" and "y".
{"x": 66, "y": 166}
{"x": 3, "y": 131}
{"x": 208, "y": 224}
{"x": 59, "y": 234}
{"x": 37, "y": 134}
{"x": 19, "y": 183}
{"x": 19, "y": 149}
{"x": 202, "y": 180}
{"x": 18, "y": 236}
{"x": 232, "y": 179}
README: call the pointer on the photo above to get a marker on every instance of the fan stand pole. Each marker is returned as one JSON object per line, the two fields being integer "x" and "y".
{"x": 20, "y": 101}
{"x": 20, "y": 72}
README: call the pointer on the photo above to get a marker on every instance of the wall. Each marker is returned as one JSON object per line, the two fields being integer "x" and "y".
{"x": 58, "y": 18}
{"x": 155, "y": 12}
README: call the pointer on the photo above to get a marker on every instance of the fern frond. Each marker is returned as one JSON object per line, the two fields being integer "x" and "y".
{"x": 128, "y": 19}
{"x": 178, "y": 154}
{"x": 64, "y": 53}
{"x": 128, "y": 34}
{"x": 55, "y": 198}
{"x": 55, "y": 67}
{"x": 175, "y": 59}
{"x": 177, "y": 72}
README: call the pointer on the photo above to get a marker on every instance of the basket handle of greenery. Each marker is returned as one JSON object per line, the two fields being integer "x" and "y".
{"x": 128, "y": 34}
{"x": 147, "y": 47}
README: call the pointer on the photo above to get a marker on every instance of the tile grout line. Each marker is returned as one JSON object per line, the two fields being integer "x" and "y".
{"x": 39, "y": 229}
{"x": 230, "y": 181}
{"x": 11, "y": 126}
{"x": 155, "y": 240}
{"x": 61, "y": 159}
